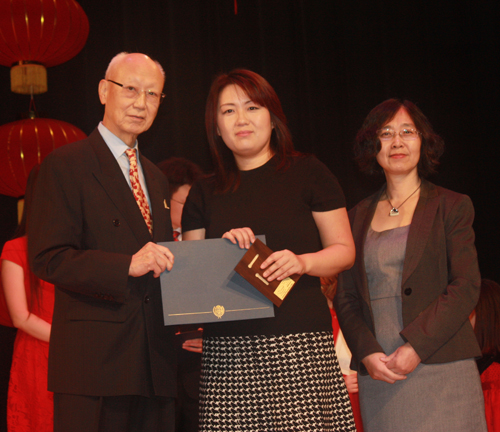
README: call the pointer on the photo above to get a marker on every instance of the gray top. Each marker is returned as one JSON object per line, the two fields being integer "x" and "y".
{"x": 384, "y": 258}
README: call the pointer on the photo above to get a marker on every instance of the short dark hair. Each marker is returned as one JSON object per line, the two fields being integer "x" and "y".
{"x": 367, "y": 145}
{"x": 487, "y": 327}
{"x": 180, "y": 171}
{"x": 260, "y": 92}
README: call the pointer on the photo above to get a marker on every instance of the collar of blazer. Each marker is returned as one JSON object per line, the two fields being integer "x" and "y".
{"x": 421, "y": 226}
{"x": 110, "y": 176}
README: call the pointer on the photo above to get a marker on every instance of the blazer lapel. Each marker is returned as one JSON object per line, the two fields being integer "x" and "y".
{"x": 110, "y": 176}
{"x": 361, "y": 225}
{"x": 420, "y": 228}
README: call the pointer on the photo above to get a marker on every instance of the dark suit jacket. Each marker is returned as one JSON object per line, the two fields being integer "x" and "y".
{"x": 440, "y": 284}
{"x": 108, "y": 336}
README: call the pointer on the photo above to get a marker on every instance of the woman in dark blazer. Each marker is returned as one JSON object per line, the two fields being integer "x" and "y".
{"x": 404, "y": 305}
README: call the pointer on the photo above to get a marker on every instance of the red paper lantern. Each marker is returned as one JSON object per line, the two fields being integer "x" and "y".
{"x": 46, "y": 31}
{"x": 35, "y": 34}
{"x": 25, "y": 143}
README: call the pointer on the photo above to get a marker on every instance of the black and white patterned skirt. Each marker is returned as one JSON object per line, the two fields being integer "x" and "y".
{"x": 273, "y": 383}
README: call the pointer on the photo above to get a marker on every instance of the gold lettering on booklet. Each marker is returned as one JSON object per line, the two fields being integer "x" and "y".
{"x": 284, "y": 287}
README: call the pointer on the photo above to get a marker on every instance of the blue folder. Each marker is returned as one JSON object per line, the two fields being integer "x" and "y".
{"x": 203, "y": 287}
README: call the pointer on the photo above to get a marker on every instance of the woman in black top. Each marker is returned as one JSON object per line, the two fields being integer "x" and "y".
{"x": 277, "y": 373}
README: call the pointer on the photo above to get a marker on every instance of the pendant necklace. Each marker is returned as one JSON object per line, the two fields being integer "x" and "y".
{"x": 395, "y": 211}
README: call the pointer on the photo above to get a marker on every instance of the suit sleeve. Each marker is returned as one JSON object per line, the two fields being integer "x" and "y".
{"x": 445, "y": 316}
{"x": 62, "y": 250}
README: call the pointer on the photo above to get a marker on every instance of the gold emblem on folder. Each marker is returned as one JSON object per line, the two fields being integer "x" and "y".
{"x": 219, "y": 311}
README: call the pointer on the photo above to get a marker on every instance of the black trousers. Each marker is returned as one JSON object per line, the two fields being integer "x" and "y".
{"x": 75, "y": 413}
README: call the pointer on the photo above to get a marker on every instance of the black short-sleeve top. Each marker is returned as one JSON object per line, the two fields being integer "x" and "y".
{"x": 278, "y": 204}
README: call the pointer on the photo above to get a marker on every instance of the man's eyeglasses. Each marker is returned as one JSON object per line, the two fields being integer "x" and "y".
{"x": 407, "y": 134}
{"x": 130, "y": 92}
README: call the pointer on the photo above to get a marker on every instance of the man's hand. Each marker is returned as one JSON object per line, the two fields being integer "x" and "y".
{"x": 193, "y": 345}
{"x": 151, "y": 257}
{"x": 378, "y": 370}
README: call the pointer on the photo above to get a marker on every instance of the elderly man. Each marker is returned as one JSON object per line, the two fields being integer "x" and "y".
{"x": 98, "y": 210}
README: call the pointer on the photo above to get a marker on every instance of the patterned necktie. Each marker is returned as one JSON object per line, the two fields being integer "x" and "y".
{"x": 139, "y": 196}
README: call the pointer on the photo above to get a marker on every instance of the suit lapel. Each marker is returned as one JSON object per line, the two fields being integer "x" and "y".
{"x": 109, "y": 174}
{"x": 420, "y": 228}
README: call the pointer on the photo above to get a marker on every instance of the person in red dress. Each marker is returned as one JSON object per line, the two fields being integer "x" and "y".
{"x": 329, "y": 289}
{"x": 30, "y": 302}
{"x": 486, "y": 322}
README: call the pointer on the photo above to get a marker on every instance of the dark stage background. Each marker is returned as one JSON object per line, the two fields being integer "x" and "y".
{"x": 329, "y": 61}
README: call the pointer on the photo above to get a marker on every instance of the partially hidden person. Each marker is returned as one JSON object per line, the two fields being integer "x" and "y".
{"x": 486, "y": 322}
{"x": 329, "y": 289}
{"x": 30, "y": 302}
{"x": 181, "y": 174}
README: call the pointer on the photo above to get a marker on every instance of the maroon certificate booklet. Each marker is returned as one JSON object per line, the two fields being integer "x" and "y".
{"x": 249, "y": 268}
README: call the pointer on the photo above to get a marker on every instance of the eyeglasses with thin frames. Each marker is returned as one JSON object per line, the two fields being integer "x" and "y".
{"x": 130, "y": 92}
{"x": 407, "y": 134}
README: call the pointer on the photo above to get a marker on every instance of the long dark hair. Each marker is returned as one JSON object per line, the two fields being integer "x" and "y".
{"x": 22, "y": 230}
{"x": 367, "y": 144}
{"x": 487, "y": 327}
{"x": 227, "y": 175}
